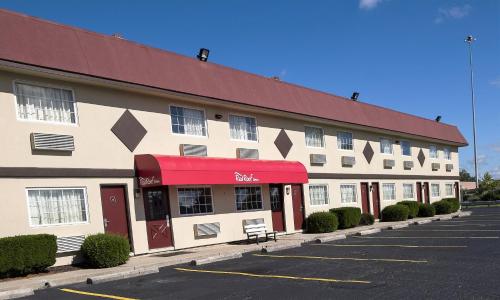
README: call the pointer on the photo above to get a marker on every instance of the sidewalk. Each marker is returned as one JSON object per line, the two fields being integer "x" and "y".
{"x": 147, "y": 264}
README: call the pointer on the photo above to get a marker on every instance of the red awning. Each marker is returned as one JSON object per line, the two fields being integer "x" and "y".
{"x": 157, "y": 170}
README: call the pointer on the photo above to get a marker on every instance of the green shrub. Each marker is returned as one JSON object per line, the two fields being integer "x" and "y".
{"x": 105, "y": 250}
{"x": 366, "y": 219}
{"x": 442, "y": 207}
{"x": 426, "y": 210}
{"x": 397, "y": 212}
{"x": 412, "y": 206}
{"x": 348, "y": 216}
{"x": 25, "y": 254}
{"x": 321, "y": 222}
{"x": 455, "y": 204}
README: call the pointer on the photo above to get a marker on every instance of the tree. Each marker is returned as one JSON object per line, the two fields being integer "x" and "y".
{"x": 465, "y": 176}
{"x": 487, "y": 183}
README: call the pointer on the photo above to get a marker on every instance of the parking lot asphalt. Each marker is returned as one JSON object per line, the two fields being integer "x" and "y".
{"x": 458, "y": 258}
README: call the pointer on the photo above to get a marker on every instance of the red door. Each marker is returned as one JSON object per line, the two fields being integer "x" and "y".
{"x": 298, "y": 206}
{"x": 365, "y": 202}
{"x": 419, "y": 192}
{"x": 276, "y": 196}
{"x": 376, "y": 200}
{"x": 157, "y": 218}
{"x": 426, "y": 193}
{"x": 114, "y": 210}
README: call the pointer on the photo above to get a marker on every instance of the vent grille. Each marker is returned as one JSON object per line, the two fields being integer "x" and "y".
{"x": 56, "y": 142}
{"x": 207, "y": 229}
{"x": 193, "y": 150}
{"x": 318, "y": 159}
{"x": 245, "y": 153}
{"x": 252, "y": 222}
{"x": 69, "y": 243}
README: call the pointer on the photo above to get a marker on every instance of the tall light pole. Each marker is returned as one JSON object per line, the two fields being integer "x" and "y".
{"x": 469, "y": 41}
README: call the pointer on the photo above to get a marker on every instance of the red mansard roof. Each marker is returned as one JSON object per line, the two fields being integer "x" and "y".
{"x": 32, "y": 41}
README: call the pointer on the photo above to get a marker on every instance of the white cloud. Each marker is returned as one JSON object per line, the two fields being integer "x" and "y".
{"x": 495, "y": 172}
{"x": 454, "y": 12}
{"x": 481, "y": 160}
{"x": 495, "y": 82}
{"x": 368, "y": 4}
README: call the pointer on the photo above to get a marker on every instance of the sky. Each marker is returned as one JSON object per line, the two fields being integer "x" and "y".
{"x": 404, "y": 55}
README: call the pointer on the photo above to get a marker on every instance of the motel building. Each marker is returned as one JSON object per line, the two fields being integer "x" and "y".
{"x": 101, "y": 134}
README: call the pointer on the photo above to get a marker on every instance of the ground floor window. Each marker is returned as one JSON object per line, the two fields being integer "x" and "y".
{"x": 193, "y": 201}
{"x": 348, "y": 193}
{"x": 318, "y": 194}
{"x": 389, "y": 191}
{"x": 408, "y": 191}
{"x": 435, "y": 190}
{"x": 51, "y": 206}
{"x": 248, "y": 198}
{"x": 449, "y": 189}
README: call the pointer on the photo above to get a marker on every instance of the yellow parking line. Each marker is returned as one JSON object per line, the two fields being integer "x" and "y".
{"x": 426, "y": 237}
{"x": 387, "y": 245}
{"x": 459, "y": 230}
{"x": 343, "y": 258}
{"x": 273, "y": 276}
{"x": 97, "y": 295}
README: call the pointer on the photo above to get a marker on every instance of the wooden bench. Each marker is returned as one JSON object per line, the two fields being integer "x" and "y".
{"x": 256, "y": 230}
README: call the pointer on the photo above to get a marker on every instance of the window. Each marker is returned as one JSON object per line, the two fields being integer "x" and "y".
{"x": 433, "y": 152}
{"x": 389, "y": 191}
{"x": 318, "y": 194}
{"x": 188, "y": 121}
{"x": 448, "y": 188}
{"x": 348, "y": 193}
{"x": 344, "y": 141}
{"x": 45, "y": 104}
{"x": 435, "y": 190}
{"x": 406, "y": 148}
{"x": 57, "y": 206}
{"x": 276, "y": 194}
{"x": 314, "y": 137}
{"x": 193, "y": 201}
{"x": 447, "y": 153}
{"x": 243, "y": 128}
{"x": 385, "y": 146}
{"x": 408, "y": 191}
{"x": 248, "y": 198}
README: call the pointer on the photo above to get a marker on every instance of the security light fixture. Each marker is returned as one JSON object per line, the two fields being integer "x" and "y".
{"x": 203, "y": 54}
{"x": 218, "y": 116}
{"x": 355, "y": 96}
{"x": 438, "y": 118}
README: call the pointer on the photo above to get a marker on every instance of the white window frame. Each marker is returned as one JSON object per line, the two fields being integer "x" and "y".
{"x": 412, "y": 191}
{"x": 352, "y": 140}
{"x": 452, "y": 194}
{"x": 195, "y": 187}
{"x": 437, "y": 152}
{"x": 245, "y": 186}
{"x": 87, "y": 213}
{"x": 383, "y": 191}
{"x": 355, "y": 192}
{"x": 432, "y": 190}
{"x": 409, "y": 144}
{"x": 322, "y": 136}
{"x": 47, "y": 85}
{"x": 192, "y": 108}
{"x": 327, "y": 199}
{"x": 447, "y": 150}
{"x": 392, "y": 146}
{"x": 243, "y": 116}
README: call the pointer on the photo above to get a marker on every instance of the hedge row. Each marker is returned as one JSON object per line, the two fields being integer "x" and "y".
{"x": 322, "y": 222}
{"x": 344, "y": 217}
{"x": 412, "y": 207}
{"x": 426, "y": 210}
{"x": 348, "y": 216}
{"x": 105, "y": 250}
{"x": 396, "y": 212}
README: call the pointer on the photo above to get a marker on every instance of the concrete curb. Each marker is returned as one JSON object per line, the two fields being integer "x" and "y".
{"x": 122, "y": 275}
{"x": 398, "y": 226}
{"x": 444, "y": 218}
{"x": 369, "y": 231}
{"x": 422, "y": 222}
{"x": 464, "y": 213}
{"x": 330, "y": 238}
{"x": 274, "y": 248}
{"x": 17, "y": 293}
{"x": 65, "y": 281}
{"x": 216, "y": 258}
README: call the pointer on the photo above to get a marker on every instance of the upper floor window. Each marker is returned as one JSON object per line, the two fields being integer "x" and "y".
{"x": 318, "y": 194}
{"x": 243, "y": 128}
{"x": 248, "y": 198}
{"x": 314, "y": 137}
{"x": 406, "y": 148}
{"x": 347, "y": 193}
{"x": 47, "y": 104}
{"x": 408, "y": 191}
{"x": 194, "y": 201}
{"x": 433, "y": 151}
{"x": 188, "y": 121}
{"x": 385, "y": 146}
{"x": 435, "y": 190}
{"x": 57, "y": 206}
{"x": 344, "y": 141}
{"x": 389, "y": 191}
{"x": 447, "y": 153}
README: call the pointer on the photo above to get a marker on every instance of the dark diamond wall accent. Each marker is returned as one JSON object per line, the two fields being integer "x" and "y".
{"x": 283, "y": 143}
{"x": 421, "y": 157}
{"x": 368, "y": 152}
{"x": 129, "y": 131}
